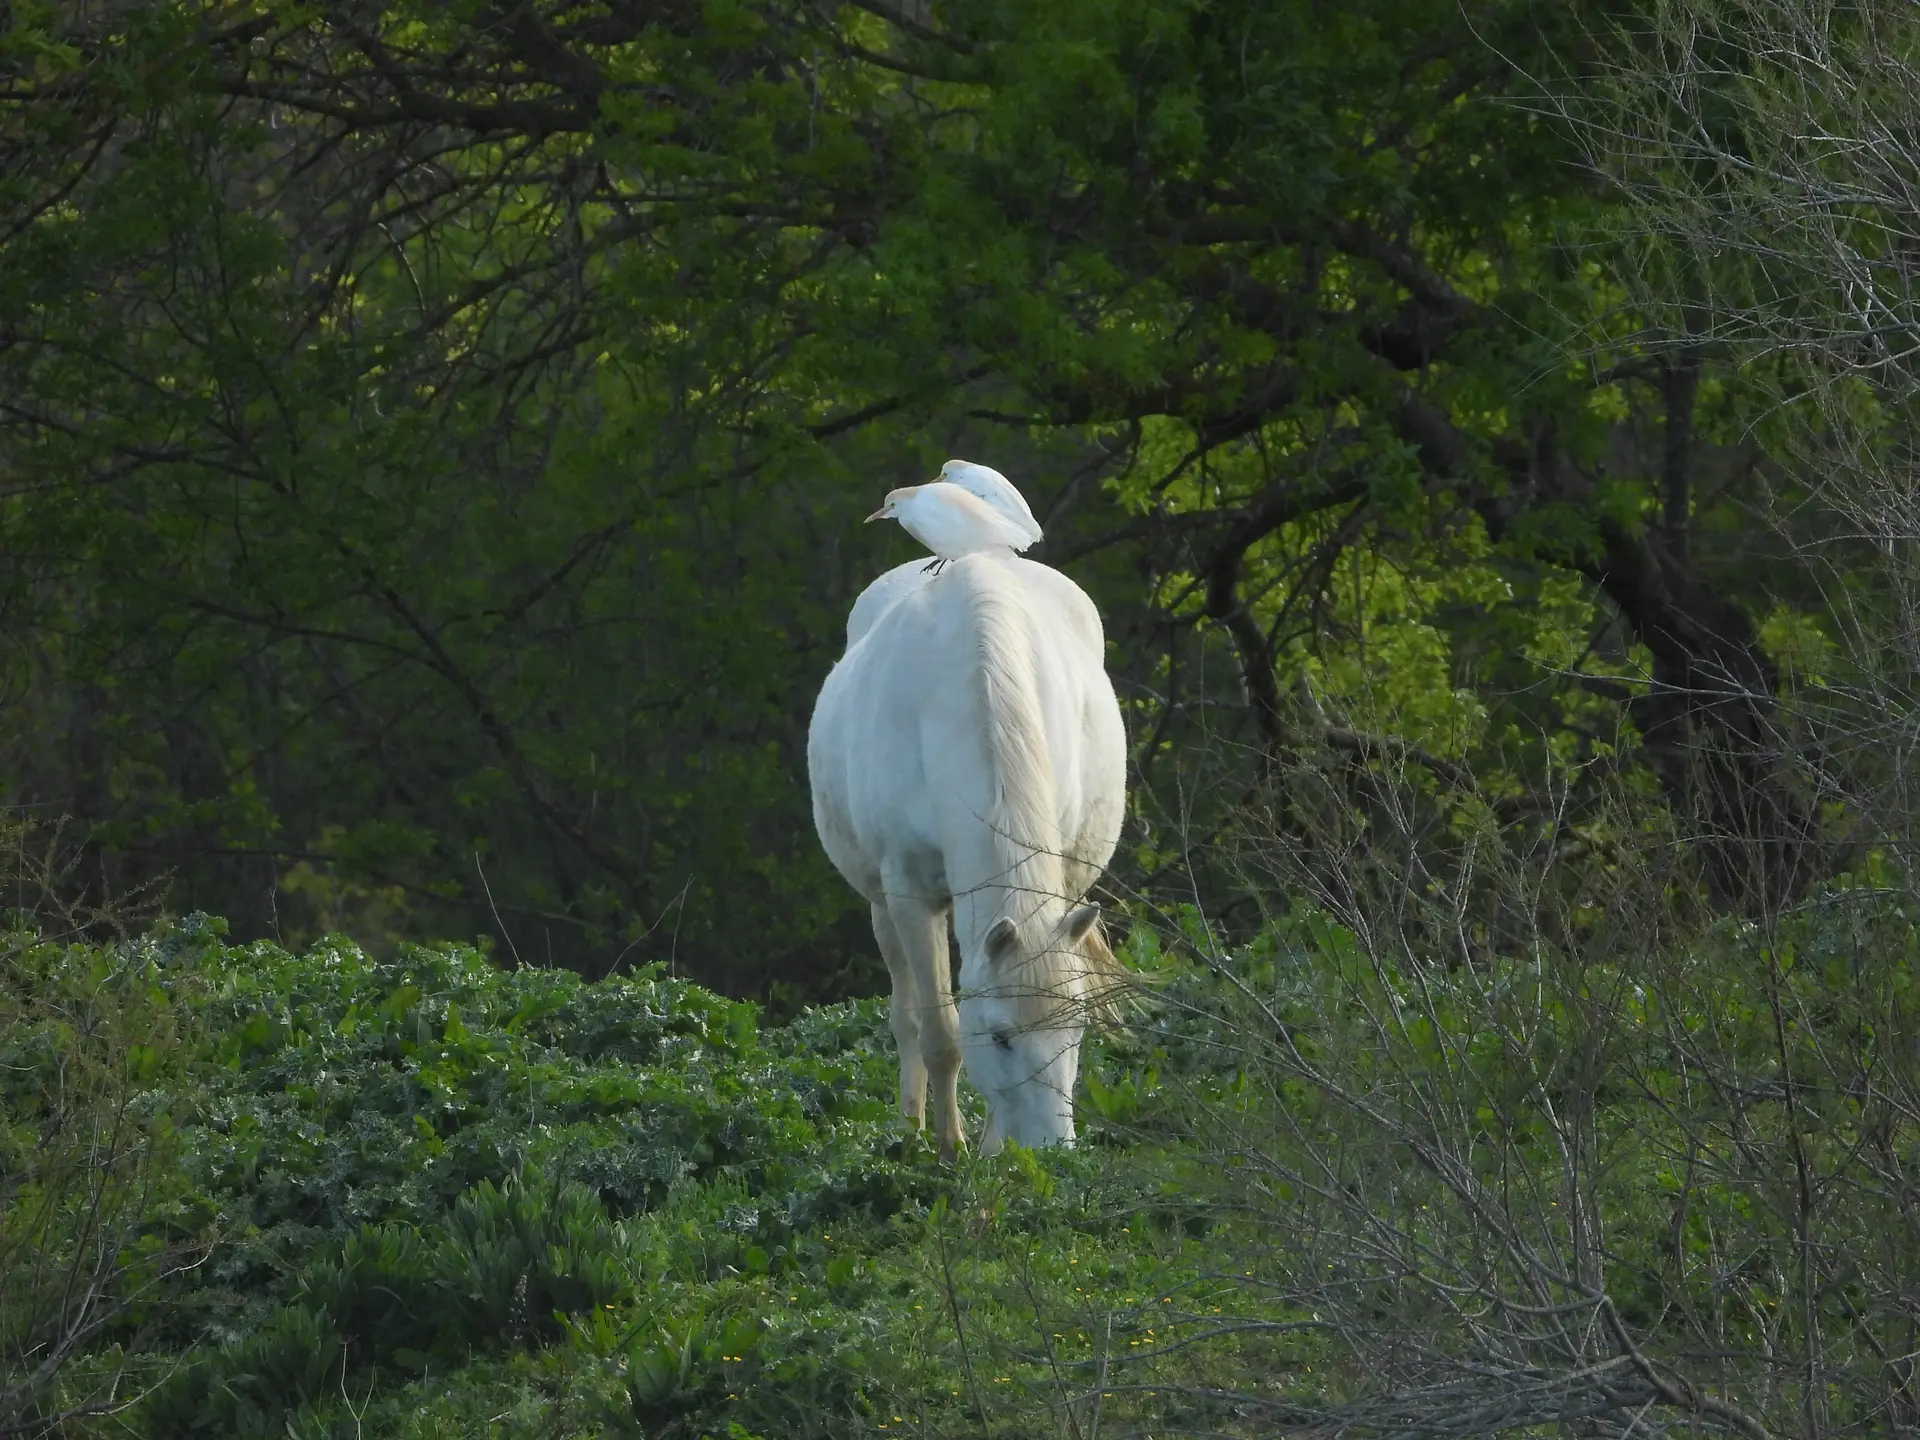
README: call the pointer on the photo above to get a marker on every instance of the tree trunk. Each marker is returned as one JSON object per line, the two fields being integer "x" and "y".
{"x": 1710, "y": 724}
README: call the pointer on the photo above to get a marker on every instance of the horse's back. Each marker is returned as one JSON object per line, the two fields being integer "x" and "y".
{"x": 898, "y": 694}
{"x": 1073, "y": 608}
{"x": 881, "y": 596}
{"x": 899, "y": 753}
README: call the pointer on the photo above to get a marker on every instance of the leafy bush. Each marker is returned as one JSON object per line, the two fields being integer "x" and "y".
{"x": 1618, "y": 1170}
{"x": 100, "y": 1234}
{"x": 448, "y": 1197}
{"x": 446, "y": 1193}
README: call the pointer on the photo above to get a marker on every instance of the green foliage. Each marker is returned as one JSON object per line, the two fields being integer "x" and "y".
{"x": 101, "y": 1231}
{"x": 616, "y": 1207}
{"x": 1697, "y": 1150}
{"x": 431, "y": 450}
{"x": 465, "y": 560}
{"x": 446, "y": 1195}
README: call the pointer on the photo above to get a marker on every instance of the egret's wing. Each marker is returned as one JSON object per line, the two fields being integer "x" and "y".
{"x": 991, "y": 486}
{"x": 969, "y": 523}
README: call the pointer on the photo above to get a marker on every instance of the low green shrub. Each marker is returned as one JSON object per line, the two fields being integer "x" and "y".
{"x": 431, "y": 1198}
{"x": 103, "y": 1235}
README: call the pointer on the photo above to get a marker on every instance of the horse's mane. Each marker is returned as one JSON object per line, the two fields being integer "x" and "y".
{"x": 1023, "y": 817}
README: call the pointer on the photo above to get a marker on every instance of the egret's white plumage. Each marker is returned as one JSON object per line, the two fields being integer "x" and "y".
{"x": 950, "y": 521}
{"x": 968, "y": 762}
{"x": 990, "y": 485}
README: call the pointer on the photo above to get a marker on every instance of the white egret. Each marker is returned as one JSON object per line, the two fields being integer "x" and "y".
{"x": 950, "y": 521}
{"x": 994, "y": 488}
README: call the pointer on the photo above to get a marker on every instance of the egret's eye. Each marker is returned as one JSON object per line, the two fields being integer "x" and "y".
{"x": 1003, "y": 1039}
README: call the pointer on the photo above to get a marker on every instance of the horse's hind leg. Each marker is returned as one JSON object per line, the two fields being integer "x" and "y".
{"x": 920, "y": 927}
{"x": 903, "y": 1009}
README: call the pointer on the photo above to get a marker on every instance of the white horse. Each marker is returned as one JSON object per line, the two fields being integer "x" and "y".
{"x": 968, "y": 759}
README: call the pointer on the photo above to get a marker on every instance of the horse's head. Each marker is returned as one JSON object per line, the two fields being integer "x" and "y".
{"x": 1020, "y": 1029}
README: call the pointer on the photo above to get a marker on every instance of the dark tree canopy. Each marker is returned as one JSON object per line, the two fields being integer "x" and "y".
{"x": 432, "y": 439}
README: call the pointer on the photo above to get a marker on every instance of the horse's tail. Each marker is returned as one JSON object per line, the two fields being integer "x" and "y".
{"x": 1023, "y": 816}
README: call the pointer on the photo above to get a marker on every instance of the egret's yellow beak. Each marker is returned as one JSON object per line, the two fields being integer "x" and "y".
{"x": 880, "y": 514}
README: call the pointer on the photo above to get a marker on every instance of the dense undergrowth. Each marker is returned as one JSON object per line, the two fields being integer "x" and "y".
{"x": 1321, "y": 1182}
{"x": 424, "y": 1196}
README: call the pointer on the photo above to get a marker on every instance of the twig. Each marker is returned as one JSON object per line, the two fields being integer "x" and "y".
{"x": 505, "y": 934}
